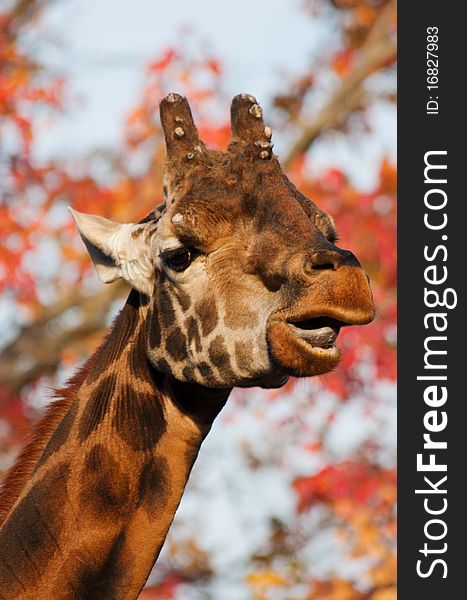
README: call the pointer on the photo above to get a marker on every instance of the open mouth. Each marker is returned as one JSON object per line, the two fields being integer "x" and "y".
{"x": 305, "y": 347}
{"x": 318, "y": 332}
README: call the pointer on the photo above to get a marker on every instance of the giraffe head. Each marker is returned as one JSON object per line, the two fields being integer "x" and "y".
{"x": 244, "y": 283}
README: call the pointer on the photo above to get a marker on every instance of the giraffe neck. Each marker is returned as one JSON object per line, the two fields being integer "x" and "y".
{"x": 93, "y": 516}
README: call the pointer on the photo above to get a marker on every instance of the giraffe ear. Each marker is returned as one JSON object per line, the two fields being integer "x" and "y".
{"x": 118, "y": 250}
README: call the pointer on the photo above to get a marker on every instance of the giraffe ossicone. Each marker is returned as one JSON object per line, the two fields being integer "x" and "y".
{"x": 236, "y": 281}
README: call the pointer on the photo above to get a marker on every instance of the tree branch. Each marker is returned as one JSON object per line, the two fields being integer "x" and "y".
{"x": 378, "y": 50}
{"x": 37, "y": 349}
{"x": 20, "y": 14}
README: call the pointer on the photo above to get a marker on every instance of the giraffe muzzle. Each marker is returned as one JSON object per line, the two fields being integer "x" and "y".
{"x": 301, "y": 339}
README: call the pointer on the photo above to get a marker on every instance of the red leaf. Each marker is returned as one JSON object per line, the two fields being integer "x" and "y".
{"x": 359, "y": 482}
{"x": 162, "y": 63}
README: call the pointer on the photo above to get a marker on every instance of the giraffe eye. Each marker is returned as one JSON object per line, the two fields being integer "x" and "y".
{"x": 178, "y": 259}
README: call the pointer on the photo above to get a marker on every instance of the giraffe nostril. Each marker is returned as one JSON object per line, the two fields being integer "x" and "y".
{"x": 325, "y": 259}
{"x": 329, "y": 260}
{"x": 323, "y": 266}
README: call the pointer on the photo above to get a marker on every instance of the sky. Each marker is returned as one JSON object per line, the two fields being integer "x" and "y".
{"x": 103, "y": 48}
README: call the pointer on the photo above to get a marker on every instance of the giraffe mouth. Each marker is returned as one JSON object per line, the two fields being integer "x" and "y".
{"x": 304, "y": 348}
{"x": 318, "y": 332}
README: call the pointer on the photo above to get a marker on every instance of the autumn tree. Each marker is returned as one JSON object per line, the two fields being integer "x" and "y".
{"x": 55, "y": 312}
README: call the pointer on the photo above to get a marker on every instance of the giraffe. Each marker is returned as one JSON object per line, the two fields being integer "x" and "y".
{"x": 236, "y": 281}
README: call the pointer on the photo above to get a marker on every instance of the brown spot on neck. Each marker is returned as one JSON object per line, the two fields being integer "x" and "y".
{"x": 105, "y": 487}
{"x": 33, "y": 529}
{"x": 97, "y": 406}
{"x": 100, "y": 577}
{"x": 153, "y": 482}
{"x": 138, "y": 418}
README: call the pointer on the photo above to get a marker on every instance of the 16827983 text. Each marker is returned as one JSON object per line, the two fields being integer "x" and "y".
{"x": 432, "y": 70}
